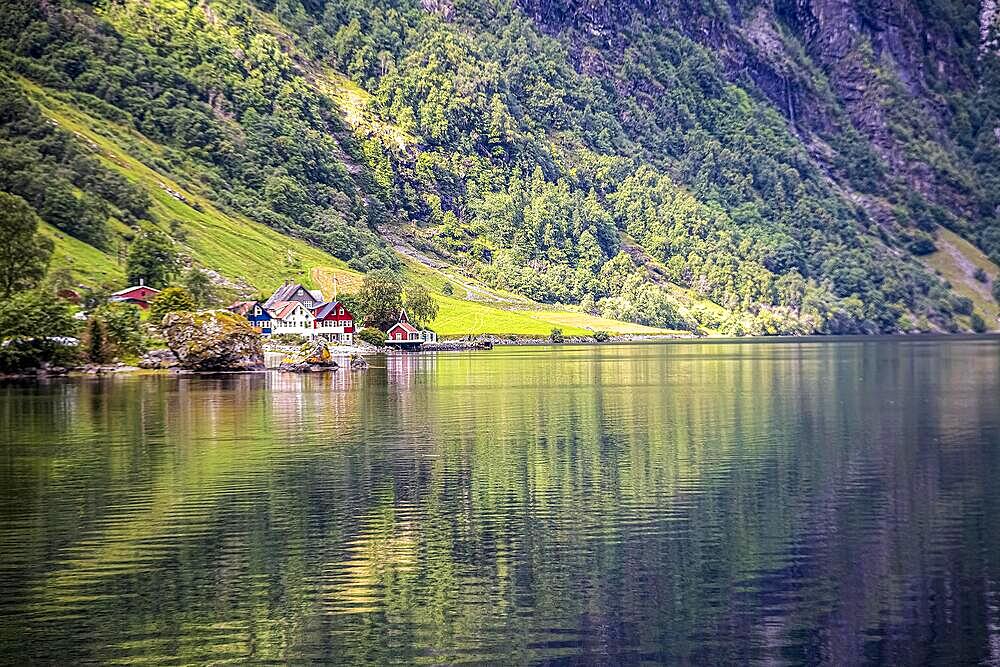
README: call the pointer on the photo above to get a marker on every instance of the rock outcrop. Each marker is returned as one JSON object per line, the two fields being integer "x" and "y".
{"x": 214, "y": 340}
{"x": 311, "y": 357}
{"x": 158, "y": 359}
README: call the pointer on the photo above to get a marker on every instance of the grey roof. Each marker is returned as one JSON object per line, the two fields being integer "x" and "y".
{"x": 287, "y": 293}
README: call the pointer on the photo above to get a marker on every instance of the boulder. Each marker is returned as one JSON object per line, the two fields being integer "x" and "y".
{"x": 213, "y": 340}
{"x": 358, "y": 363}
{"x": 162, "y": 358}
{"x": 311, "y": 357}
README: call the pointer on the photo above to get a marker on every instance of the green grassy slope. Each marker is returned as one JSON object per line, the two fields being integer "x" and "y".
{"x": 259, "y": 258}
{"x": 956, "y": 260}
{"x": 238, "y": 248}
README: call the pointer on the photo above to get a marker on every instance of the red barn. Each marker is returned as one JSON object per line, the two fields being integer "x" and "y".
{"x": 334, "y": 322}
{"x": 139, "y": 294}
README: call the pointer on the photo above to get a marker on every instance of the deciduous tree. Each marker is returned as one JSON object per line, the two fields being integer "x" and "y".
{"x": 24, "y": 254}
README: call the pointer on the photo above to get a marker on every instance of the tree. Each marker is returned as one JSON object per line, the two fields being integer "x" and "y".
{"x": 201, "y": 287}
{"x": 29, "y": 324}
{"x": 95, "y": 346}
{"x": 122, "y": 324}
{"x": 447, "y": 289}
{"x": 170, "y": 300}
{"x": 151, "y": 258}
{"x": 421, "y": 307}
{"x": 380, "y": 298}
{"x": 24, "y": 254}
{"x": 996, "y": 290}
{"x": 556, "y": 336}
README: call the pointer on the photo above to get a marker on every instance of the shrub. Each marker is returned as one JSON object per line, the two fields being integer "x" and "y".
{"x": 980, "y": 275}
{"x": 962, "y": 305}
{"x": 601, "y": 336}
{"x": 447, "y": 290}
{"x": 978, "y": 323}
{"x": 372, "y": 336}
{"x": 556, "y": 336}
{"x": 170, "y": 300}
{"x": 31, "y": 326}
{"x": 289, "y": 338}
{"x": 996, "y": 290}
{"x": 122, "y": 324}
{"x": 25, "y": 352}
{"x": 921, "y": 244}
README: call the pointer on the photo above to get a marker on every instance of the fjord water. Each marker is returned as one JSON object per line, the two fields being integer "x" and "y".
{"x": 784, "y": 502}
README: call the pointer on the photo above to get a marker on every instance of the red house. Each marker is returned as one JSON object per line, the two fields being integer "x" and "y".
{"x": 403, "y": 334}
{"x": 334, "y": 322}
{"x": 139, "y": 294}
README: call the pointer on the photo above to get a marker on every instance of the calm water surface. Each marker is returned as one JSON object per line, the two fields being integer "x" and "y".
{"x": 789, "y": 502}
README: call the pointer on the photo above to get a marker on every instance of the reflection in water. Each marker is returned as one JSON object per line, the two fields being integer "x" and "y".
{"x": 775, "y": 502}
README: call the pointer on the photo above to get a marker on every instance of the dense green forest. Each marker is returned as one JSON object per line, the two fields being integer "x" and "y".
{"x": 630, "y": 175}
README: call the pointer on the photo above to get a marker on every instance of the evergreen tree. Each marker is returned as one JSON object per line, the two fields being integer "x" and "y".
{"x": 96, "y": 346}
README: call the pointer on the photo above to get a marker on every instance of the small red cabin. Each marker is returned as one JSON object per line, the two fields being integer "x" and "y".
{"x": 139, "y": 294}
{"x": 402, "y": 333}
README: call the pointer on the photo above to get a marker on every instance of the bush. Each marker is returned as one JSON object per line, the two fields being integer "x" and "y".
{"x": 601, "y": 336}
{"x": 372, "y": 336}
{"x": 978, "y": 323}
{"x": 962, "y": 305}
{"x": 31, "y": 324}
{"x": 447, "y": 290}
{"x": 980, "y": 275}
{"x": 996, "y": 290}
{"x": 122, "y": 323}
{"x": 170, "y": 300}
{"x": 921, "y": 244}
{"x": 289, "y": 338}
{"x": 25, "y": 352}
{"x": 556, "y": 336}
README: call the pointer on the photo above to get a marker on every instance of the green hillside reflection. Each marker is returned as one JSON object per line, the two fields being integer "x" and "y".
{"x": 709, "y": 502}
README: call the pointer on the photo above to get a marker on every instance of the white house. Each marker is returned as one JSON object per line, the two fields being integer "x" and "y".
{"x": 292, "y": 317}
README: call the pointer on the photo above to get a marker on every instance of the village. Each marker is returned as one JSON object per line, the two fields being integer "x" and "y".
{"x": 296, "y": 310}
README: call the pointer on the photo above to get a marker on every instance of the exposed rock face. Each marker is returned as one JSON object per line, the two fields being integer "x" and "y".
{"x": 213, "y": 340}
{"x": 311, "y": 357}
{"x": 826, "y": 65}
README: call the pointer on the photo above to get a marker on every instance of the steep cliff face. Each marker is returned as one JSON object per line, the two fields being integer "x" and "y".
{"x": 894, "y": 71}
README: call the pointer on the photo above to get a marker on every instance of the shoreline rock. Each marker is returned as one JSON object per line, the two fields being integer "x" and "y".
{"x": 213, "y": 340}
{"x": 158, "y": 359}
{"x": 311, "y": 357}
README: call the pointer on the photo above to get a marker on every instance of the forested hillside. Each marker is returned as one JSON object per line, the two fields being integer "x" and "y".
{"x": 744, "y": 167}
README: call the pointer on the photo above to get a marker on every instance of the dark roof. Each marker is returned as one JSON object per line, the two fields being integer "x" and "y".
{"x": 287, "y": 293}
{"x": 323, "y": 310}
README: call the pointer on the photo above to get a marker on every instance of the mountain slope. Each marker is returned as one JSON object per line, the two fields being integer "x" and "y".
{"x": 742, "y": 167}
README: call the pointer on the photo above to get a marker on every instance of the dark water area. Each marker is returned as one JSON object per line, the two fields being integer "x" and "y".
{"x": 817, "y": 502}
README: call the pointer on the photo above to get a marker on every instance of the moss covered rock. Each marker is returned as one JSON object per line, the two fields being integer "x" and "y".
{"x": 213, "y": 340}
{"x": 311, "y": 357}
